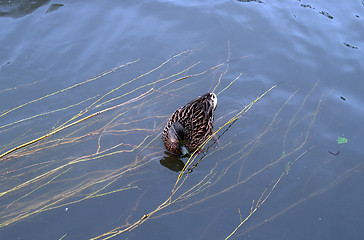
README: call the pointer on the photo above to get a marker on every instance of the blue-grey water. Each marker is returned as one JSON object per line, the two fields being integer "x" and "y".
{"x": 62, "y": 58}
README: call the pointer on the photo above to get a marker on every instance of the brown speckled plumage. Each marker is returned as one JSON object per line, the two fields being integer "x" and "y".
{"x": 196, "y": 118}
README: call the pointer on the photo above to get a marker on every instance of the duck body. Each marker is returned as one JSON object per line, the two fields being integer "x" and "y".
{"x": 189, "y": 126}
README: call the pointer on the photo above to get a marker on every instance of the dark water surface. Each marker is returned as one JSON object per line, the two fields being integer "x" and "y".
{"x": 60, "y": 59}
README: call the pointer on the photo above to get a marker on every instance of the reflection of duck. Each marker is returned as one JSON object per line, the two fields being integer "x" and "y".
{"x": 190, "y": 125}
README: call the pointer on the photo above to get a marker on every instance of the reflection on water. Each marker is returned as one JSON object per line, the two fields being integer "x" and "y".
{"x": 20, "y": 8}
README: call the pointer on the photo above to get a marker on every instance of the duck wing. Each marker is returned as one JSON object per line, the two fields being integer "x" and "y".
{"x": 200, "y": 124}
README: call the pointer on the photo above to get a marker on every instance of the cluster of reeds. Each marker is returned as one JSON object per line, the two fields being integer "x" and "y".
{"x": 78, "y": 159}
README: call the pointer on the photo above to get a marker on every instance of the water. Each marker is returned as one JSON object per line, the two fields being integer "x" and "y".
{"x": 108, "y": 171}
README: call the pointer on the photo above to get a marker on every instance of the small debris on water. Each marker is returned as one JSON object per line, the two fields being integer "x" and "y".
{"x": 306, "y": 6}
{"x": 5, "y": 65}
{"x": 350, "y": 46}
{"x": 326, "y": 14}
{"x": 334, "y": 153}
{"x": 54, "y": 7}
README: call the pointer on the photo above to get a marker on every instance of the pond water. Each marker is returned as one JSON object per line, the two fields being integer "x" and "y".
{"x": 87, "y": 87}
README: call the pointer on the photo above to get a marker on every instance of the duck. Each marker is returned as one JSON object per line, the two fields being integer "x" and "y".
{"x": 190, "y": 125}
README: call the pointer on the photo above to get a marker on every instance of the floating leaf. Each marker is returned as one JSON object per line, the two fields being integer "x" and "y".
{"x": 341, "y": 140}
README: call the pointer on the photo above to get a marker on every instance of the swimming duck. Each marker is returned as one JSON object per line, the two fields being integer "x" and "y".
{"x": 190, "y": 125}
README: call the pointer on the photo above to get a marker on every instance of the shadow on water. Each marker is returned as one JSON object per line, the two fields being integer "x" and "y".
{"x": 172, "y": 162}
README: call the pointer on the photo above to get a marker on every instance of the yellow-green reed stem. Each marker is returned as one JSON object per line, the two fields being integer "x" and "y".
{"x": 74, "y": 123}
{"x": 68, "y": 88}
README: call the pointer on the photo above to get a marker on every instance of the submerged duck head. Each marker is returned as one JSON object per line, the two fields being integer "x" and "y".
{"x": 177, "y": 134}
